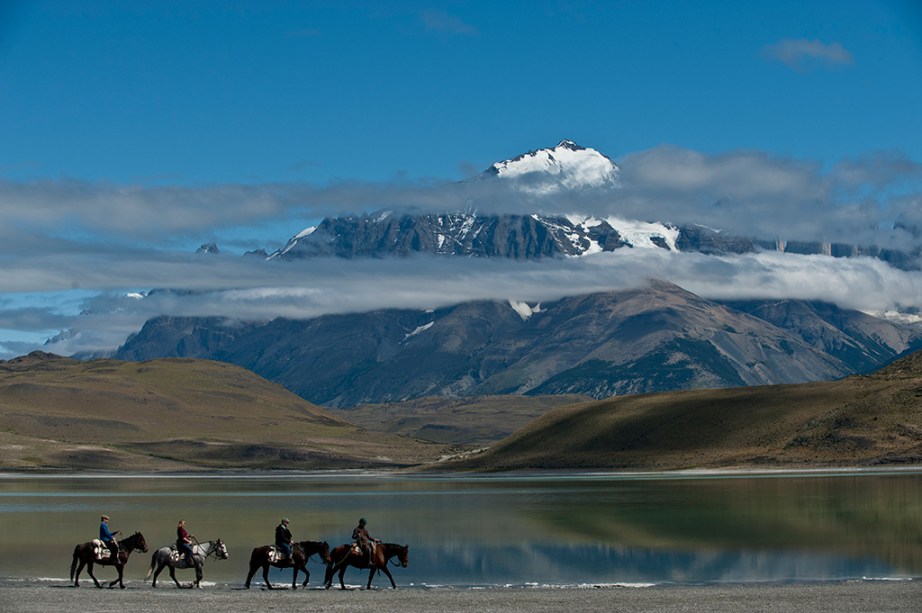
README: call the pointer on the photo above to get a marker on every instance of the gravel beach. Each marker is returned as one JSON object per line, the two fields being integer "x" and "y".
{"x": 876, "y": 596}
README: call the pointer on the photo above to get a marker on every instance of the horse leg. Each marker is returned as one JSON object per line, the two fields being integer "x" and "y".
{"x": 252, "y": 572}
{"x": 75, "y": 574}
{"x": 73, "y": 566}
{"x": 266, "y": 576}
{"x": 89, "y": 571}
{"x": 199, "y": 573}
{"x": 389, "y": 576}
{"x": 121, "y": 569}
{"x": 371, "y": 575}
{"x": 307, "y": 575}
{"x": 294, "y": 575}
{"x": 328, "y": 576}
{"x": 173, "y": 576}
{"x": 342, "y": 573}
{"x": 157, "y": 573}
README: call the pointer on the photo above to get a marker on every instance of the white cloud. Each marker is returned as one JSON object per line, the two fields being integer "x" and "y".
{"x": 443, "y": 22}
{"x": 89, "y": 244}
{"x": 801, "y": 54}
{"x": 265, "y": 290}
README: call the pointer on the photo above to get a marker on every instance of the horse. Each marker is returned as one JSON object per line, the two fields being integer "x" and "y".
{"x": 348, "y": 555}
{"x": 301, "y": 552}
{"x": 166, "y": 556}
{"x": 83, "y": 554}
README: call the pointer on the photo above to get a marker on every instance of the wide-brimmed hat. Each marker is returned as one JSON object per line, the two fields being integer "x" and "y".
{"x": 104, "y": 517}
{"x": 285, "y": 520}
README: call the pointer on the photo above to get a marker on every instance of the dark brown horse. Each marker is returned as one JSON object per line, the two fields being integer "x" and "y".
{"x": 301, "y": 552}
{"x": 348, "y": 555}
{"x": 84, "y": 556}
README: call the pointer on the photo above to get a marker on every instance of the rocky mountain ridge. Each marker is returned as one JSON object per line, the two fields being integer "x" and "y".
{"x": 646, "y": 340}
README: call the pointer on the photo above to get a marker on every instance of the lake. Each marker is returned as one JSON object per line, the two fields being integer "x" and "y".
{"x": 494, "y": 530}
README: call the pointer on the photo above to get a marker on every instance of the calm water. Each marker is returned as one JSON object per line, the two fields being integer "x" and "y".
{"x": 496, "y": 530}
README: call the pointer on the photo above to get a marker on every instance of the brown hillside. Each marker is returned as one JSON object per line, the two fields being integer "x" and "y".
{"x": 858, "y": 421}
{"x": 174, "y": 414}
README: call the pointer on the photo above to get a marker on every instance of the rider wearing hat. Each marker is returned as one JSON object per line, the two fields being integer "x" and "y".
{"x": 365, "y": 542}
{"x": 107, "y": 536}
{"x": 283, "y": 538}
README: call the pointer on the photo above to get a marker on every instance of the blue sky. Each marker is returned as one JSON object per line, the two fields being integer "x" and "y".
{"x": 203, "y": 92}
{"x": 131, "y": 132}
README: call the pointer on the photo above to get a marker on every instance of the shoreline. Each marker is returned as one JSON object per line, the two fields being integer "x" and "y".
{"x": 897, "y": 596}
{"x": 691, "y": 473}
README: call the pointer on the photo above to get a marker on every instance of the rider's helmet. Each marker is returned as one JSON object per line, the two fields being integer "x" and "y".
{"x": 363, "y": 521}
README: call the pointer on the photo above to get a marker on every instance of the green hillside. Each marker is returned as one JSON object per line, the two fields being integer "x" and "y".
{"x": 859, "y": 421}
{"x": 175, "y": 414}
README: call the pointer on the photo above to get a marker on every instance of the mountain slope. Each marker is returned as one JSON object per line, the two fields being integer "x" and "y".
{"x": 652, "y": 339}
{"x": 174, "y": 415}
{"x": 565, "y": 170}
{"x": 859, "y": 421}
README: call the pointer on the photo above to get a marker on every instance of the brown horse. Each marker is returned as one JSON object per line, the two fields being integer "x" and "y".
{"x": 84, "y": 556}
{"x": 348, "y": 555}
{"x": 301, "y": 552}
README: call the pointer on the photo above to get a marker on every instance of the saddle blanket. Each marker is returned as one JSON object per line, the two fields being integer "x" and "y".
{"x": 177, "y": 558}
{"x": 276, "y": 554}
{"x": 100, "y": 551}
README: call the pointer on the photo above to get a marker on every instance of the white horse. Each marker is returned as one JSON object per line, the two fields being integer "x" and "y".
{"x": 170, "y": 556}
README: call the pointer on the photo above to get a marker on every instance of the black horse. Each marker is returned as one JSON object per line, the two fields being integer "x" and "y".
{"x": 301, "y": 552}
{"x": 84, "y": 556}
{"x": 349, "y": 555}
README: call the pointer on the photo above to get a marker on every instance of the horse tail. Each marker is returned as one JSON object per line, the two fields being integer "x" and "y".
{"x": 153, "y": 563}
{"x": 73, "y": 565}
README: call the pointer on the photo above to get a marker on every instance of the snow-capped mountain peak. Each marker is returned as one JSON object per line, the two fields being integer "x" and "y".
{"x": 567, "y": 165}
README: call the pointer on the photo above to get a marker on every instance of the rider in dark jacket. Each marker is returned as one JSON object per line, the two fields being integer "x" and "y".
{"x": 365, "y": 542}
{"x": 283, "y": 538}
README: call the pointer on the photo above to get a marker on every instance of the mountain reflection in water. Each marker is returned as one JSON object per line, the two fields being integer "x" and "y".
{"x": 497, "y": 530}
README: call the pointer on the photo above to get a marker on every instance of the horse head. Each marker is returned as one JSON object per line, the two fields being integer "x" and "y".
{"x": 325, "y": 553}
{"x": 135, "y": 541}
{"x": 221, "y": 550}
{"x": 403, "y": 555}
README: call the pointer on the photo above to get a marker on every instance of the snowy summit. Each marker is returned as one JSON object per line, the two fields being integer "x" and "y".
{"x": 567, "y": 165}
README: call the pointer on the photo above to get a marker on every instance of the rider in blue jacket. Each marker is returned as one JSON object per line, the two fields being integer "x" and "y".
{"x": 107, "y": 536}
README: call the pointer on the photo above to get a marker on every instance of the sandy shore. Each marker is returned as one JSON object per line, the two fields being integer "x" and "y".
{"x": 876, "y": 596}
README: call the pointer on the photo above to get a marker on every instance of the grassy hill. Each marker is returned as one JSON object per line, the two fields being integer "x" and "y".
{"x": 183, "y": 414}
{"x": 857, "y": 421}
{"x": 175, "y": 414}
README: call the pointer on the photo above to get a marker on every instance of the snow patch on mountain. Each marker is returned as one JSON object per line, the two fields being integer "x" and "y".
{"x": 643, "y": 234}
{"x": 419, "y": 330}
{"x": 638, "y": 234}
{"x": 524, "y": 311}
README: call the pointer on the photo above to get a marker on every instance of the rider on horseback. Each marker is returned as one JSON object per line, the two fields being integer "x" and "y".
{"x": 184, "y": 542}
{"x": 108, "y": 537}
{"x": 283, "y": 538}
{"x": 365, "y": 542}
